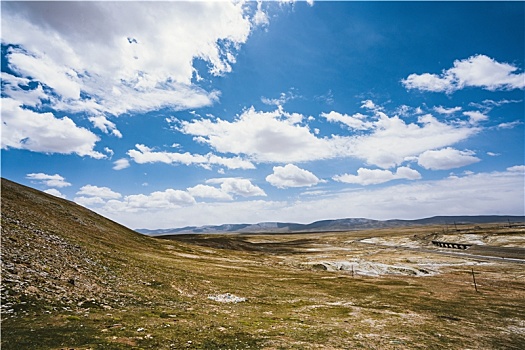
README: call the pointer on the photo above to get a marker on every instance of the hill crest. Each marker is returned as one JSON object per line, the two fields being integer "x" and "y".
{"x": 346, "y": 224}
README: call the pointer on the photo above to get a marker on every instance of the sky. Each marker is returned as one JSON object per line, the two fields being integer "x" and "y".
{"x": 172, "y": 114}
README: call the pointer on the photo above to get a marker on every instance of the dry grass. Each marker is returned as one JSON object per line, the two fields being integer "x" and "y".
{"x": 153, "y": 293}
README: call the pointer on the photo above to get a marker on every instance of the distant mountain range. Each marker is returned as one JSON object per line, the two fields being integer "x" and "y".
{"x": 332, "y": 225}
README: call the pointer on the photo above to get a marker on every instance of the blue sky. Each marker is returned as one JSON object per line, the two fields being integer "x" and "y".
{"x": 168, "y": 114}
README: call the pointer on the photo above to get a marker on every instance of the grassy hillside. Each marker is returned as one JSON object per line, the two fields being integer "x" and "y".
{"x": 72, "y": 279}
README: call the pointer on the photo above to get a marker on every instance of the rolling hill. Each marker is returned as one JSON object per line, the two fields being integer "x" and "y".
{"x": 334, "y": 225}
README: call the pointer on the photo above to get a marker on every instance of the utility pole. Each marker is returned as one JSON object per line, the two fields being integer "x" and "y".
{"x": 474, "y": 279}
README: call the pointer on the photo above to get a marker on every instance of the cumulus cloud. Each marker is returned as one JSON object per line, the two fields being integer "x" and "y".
{"x": 377, "y": 176}
{"x": 96, "y": 191}
{"x": 55, "y": 192}
{"x": 205, "y": 191}
{"x": 88, "y": 201}
{"x": 102, "y": 123}
{"x": 238, "y": 186}
{"x": 123, "y": 56}
{"x": 370, "y": 105}
{"x": 159, "y": 200}
{"x": 446, "y": 158}
{"x": 275, "y": 136}
{"x": 120, "y": 164}
{"x": 283, "y": 137}
{"x": 393, "y": 140}
{"x": 48, "y": 180}
{"x": 476, "y": 71}
{"x": 43, "y": 132}
{"x": 291, "y": 176}
{"x": 144, "y": 154}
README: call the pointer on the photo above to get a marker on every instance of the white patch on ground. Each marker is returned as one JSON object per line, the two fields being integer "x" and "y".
{"x": 368, "y": 268}
{"x": 226, "y": 298}
{"x": 393, "y": 242}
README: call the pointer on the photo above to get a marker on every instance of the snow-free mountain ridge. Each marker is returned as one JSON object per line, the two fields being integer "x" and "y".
{"x": 332, "y": 225}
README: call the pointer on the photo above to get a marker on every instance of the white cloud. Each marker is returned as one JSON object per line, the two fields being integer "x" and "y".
{"x": 517, "y": 169}
{"x": 144, "y": 154}
{"x": 369, "y": 104}
{"x": 237, "y": 186}
{"x": 281, "y": 137}
{"x": 105, "y": 125}
{"x": 283, "y": 98}
{"x": 475, "y": 116}
{"x": 260, "y": 18}
{"x": 109, "y": 151}
{"x": 120, "y": 164}
{"x": 12, "y": 86}
{"x": 42, "y": 132}
{"x": 55, "y": 192}
{"x": 309, "y": 2}
{"x": 492, "y": 193}
{"x": 447, "y": 111}
{"x": 393, "y": 140}
{"x": 48, "y": 180}
{"x": 428, "y": 82}
{"x": 476, "y": 71}
{"x": 275, "y": 136}
{"x": 89, "y": 201}
{"x": 291, "y": 176}
{"x": 510, "y": 125}
{"x": 356, "y": 121}
{"x": 488, "y": 105}
{"x": 446, "y": 158}
{"x": 96, "y": 191}
{"x": 205, "y": 191}
{"x": 124, "y": 56}
{"x": 377, "y": 176}
{"x": 159, "y": 200}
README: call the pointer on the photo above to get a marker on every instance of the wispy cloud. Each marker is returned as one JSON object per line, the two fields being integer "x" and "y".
{"x": 377, "y": 176}
{"x": 120, "y": 164}
{"x": 144, "y": 154}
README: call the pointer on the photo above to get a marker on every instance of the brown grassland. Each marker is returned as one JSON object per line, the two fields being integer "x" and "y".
{"x": 72, "y": 279}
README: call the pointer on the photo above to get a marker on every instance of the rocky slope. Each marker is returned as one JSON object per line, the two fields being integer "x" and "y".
{"x": 58, "y": 254}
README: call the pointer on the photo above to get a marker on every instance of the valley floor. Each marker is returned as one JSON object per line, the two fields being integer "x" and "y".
{"x": 346, "y": 290}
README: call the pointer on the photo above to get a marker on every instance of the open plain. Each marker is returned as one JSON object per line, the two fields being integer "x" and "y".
{"x": 74, "y": 280}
